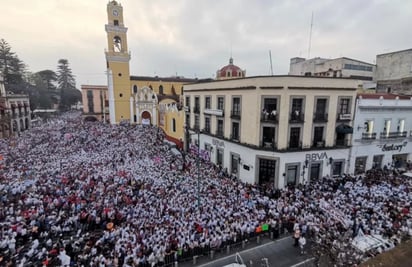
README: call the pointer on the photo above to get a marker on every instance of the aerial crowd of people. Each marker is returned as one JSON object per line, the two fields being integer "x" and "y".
{"x": 75, "y": 193}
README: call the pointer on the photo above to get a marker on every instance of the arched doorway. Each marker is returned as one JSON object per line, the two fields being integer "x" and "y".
{"x": 146, "y": 118}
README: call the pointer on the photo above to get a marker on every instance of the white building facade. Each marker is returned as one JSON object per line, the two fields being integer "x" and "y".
{"x": 280, "y": 130}
{"x": 394, "y": 72}
{"x": 339, "y": 67}
{"x": 382, "y": 132}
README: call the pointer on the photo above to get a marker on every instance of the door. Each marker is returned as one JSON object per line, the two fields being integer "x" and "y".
{"x": 314, "y": 171}
{"x": 267, "y": 169}
{"x": 291, "y": 175}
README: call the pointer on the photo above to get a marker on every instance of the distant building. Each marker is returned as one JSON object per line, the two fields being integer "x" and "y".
{"x": 394, "y": 72}
{"x": 382, "y": 132}
{"x": 230, "y": 71}
{"x": 95, "y": 102}
{"x": 15, "y": 112}
{"x": 339, "y": 67}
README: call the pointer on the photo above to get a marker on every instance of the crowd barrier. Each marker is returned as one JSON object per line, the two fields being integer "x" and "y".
{"x": 193, "y": 256}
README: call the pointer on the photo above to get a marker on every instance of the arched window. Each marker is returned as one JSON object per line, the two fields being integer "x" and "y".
{"x": 134, "y": 89}
{"x": 117, "y": 44}
{"x": 174, "y": 125}
{"x": 160, "y": 89}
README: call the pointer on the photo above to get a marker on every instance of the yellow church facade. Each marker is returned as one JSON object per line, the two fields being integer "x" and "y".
{"x": 139, "y": 99}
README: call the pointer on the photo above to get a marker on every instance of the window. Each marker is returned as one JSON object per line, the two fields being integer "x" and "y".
{"x": 161, "y": 90}
{"x": 267, "y": 168}
{"x": 90, "y": 103}
{"x": 401, "y": 125}
{"x": 134, "y": 89}
{"x": 219, "y": 128}
{"x": 318, "y": 136}
{"x": 221, "y": 103}
{"x": 297, "y": 104}
{"x": 235, "y": 131}
{"x": 320, "y": 106}
{"x": 207, "y": 124}
{"x": 357, "y": 67}
{"x": 236, "y": 105}
{"x": 197, "y": 123}
{"x": 294, "y": 141}
{"x": 269, "y": 105}
{"x": 197, "y": 105}
{"x": 207, "y": 102}
{"x": 188, "y": 101}
{"x": 116, "y": 22}
{"x": 219, "y": 157}
{"x": 387, "y": 127}
{"x": 174, "y": 125}
{"x": 344, "y": 106}
{"x": 188, "y": 120}
{"x": 268, "y": 137}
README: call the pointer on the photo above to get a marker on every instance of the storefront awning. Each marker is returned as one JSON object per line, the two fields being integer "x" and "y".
{"x": 344, "y": 129}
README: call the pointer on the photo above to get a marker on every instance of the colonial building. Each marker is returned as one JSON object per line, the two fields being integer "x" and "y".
{"x": 14, "y": 112}
{"x": 95, "y": 102}
{"x": 133, "y": 99}
{"x": 394, "y": 72}
{"x": 382, "y": 132}
{"x": 338, "y": 67}
{"x": 273, "y": 129}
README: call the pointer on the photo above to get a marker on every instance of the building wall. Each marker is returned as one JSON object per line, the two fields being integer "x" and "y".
{"x": 251, "y": 92}
{"x": 99, "y": 93}
{"x": 394, "y": 72}
{"x": 373, "y": 137}
{"x": 338, "y": 67}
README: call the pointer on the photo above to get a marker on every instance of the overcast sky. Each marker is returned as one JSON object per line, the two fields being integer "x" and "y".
{"x": 194, "y": 38}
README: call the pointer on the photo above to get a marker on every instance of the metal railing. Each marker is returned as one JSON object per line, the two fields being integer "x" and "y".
{"x": 392, "y": 135}
{"x": 296, "y": 117}
{"x": 368, "y": 136}
{"x": 320, "y": 117}
{"x": 235, "y": 114}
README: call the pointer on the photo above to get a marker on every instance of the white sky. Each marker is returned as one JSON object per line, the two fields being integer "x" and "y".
{"x": 194, "y": 38}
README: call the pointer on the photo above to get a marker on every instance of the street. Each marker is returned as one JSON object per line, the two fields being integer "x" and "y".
{"x": 279, "y": 253}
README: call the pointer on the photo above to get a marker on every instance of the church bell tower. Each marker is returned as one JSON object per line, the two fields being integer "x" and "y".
{"x": 117, "y": 59}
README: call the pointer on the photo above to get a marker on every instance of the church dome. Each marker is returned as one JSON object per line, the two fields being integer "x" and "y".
{"x": 230, "y": 71}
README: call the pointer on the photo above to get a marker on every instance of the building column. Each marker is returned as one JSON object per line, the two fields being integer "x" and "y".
{"x": 110, "y": 88}
{"x": 131, "y": 110}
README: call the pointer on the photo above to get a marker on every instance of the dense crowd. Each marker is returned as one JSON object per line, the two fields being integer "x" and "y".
{"x": 79, "y": 193}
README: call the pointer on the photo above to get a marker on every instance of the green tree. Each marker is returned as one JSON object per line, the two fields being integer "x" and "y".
{"x": 69, "y": 95}
{"x": 11, "y": 66}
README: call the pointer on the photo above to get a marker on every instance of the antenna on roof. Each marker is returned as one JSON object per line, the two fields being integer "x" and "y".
{"x": 271, "y": 66}
{"x": 310, "y": 35}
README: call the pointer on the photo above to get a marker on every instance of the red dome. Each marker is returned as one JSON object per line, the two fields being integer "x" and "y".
{"x": 230, "y": 71}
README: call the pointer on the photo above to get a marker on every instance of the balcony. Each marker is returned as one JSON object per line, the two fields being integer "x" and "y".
{"x": 393, "y": 135}
{"x": 342, "y": 143}
{"x": 206, "y": 130}
{"x": 219, "y": 134}
{"x": 235, "y": 114}
{"x": 186, "y": 108}
{"x": 296, "y": 117}
{"x": 318, "y": 144}
{"x": 269, "y": 118}
{"x": 344, "y": 117}
{"x": 368, "y": 136}
{"x": 235, "y": 138}
{"x": 268, "y": 145}
{"x": 294, "y": 145}
{"x": 320, "y": 117}
{"x": 196, "y": 109}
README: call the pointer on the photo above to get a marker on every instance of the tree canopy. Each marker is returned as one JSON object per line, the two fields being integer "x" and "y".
{"x": 45, "y": 88}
